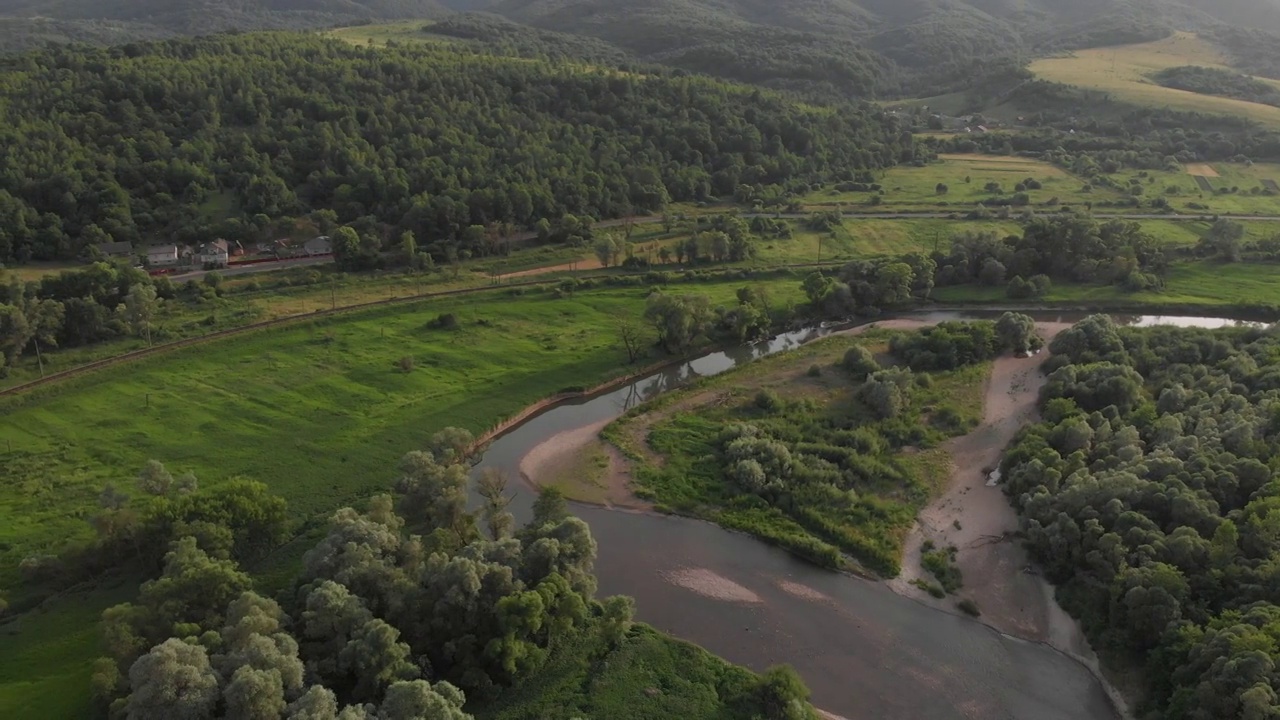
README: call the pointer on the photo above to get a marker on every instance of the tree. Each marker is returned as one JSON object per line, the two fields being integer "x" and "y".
{"x": 154, "y": 479}
{"x": 817, "y": 287}
{"x": 1017, "y": 332}
{"x": 139, "y": 309}
{"x": 417, "y": 699}
{"x": 347, "y": 249}
{"x": 451, "y": 445}
{"x": 992, "y": 273}
{"x": 408, "y": 248}
{"x": 549, "y": 508}
{"x": 254, "y": 694}
{"x": 173, "y": 680}
{"x": 885, "y": 391}
{"x": 492, "y": 488}
{"x": 941, "y": 189}
{"x": 606, "y": 249}
{"x": 616, "y": 619}
{"x": 680, "y": 320}
{"x": 859, "y": 362}
{"x": 45, "y": 320}
{"x": 434, "y": 494}
{"x": 1224, "y": 238}
{"x": 629, "y": 334}
{"x": 783, "y": 694}
{"x": 14, "y": 333}
{"x": 664, "y": 254}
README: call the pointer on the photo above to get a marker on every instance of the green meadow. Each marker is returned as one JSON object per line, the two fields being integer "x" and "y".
{"x": 319, "y": 410}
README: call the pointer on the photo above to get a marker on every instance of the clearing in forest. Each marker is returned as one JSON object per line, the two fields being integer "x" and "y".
{"x": 1124, "y": 71}
{"x": 1202, "y": 169}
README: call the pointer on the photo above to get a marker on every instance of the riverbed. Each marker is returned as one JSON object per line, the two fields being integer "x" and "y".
{"x": 865, "y": 651}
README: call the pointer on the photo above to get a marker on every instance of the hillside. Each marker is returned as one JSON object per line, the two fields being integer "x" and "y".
{"x": 429, "y": 139}
{"x": 841, "y": 48}
{"x": 1139, "y": 74}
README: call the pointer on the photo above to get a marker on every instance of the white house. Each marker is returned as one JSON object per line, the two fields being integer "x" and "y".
{"x": 215, "y": 254}
{"x": 161, "y": 255}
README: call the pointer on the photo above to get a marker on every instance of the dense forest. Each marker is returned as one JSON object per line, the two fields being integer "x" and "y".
{"x": 405, "y": 611}
{"x": 1223, "y": 83}
{"x": 1149, "y": 497}
{"x": 828, "y": 48}
{"x": 152, "y": 141}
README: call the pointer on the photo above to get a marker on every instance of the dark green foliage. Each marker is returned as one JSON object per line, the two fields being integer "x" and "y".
{"x": 941, "y": 564}
{"x": 1067, "y": 246}
{"x": 969, "y": 607}
{"x": 1214, "y": 81}
{"x": 289, "y": 125}
{"x": 1148, "y": 495}
{"x": 947, "y": 345}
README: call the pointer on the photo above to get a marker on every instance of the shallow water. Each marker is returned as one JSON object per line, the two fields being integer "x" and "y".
{"x": 864, "y": 651}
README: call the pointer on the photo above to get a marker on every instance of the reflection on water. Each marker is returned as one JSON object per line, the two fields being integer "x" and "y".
{"x": 865, "y": 651}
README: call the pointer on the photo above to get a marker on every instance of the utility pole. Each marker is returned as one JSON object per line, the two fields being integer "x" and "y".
{"x": 39, "y": 360}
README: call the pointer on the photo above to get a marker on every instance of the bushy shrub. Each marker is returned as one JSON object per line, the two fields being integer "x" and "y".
{"x": 859, "y": 362}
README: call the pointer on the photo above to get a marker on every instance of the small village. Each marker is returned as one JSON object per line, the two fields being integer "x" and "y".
{"x": 172, "y": 258}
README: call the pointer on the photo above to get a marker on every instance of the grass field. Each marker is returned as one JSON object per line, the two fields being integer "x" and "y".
{"x": 316, "y": 410}
{"x": 914, "y": 189}
{"x": 909, "y": 188}
{"x": 1179, "y": 188}
{"x": 380, "y": 34}
{"x": 1123, "y": 72}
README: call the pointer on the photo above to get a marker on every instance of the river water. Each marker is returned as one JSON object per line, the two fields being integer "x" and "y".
{"x": 865, "y": 651}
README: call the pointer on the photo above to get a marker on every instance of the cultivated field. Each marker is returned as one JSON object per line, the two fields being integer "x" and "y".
{"x": 915, "y": 189}
{"x": 1123, "y": 72}
{"x": 1235, "y": 188}
{"x": 966, "y": 177}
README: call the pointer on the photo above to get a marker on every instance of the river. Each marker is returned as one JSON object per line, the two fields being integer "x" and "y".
{"x": 865, "y": 651}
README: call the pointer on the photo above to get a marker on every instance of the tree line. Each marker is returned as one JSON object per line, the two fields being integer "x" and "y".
{"x": 1149, "y": 496}
{"x": 405, "y": 611}
{"x": 235, "y": 135}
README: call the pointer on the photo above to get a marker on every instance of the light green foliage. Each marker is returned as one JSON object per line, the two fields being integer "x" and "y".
{"x": 173, "y": 680}
{"x": 1017, "y": 332}
{"x": 859, "y": 362}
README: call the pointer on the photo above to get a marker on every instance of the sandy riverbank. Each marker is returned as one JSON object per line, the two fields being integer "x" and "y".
{"x": 979, "y": 521}
{"x": 977, "y": 518}
{"x": 583, "y": 467}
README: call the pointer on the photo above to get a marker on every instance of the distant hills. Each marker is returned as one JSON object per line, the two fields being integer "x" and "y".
{"x": 851, "y": 47}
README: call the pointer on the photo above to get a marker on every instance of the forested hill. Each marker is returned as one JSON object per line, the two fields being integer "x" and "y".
{"x": 29, "y": 24}
{"x": 147, "y": 141}
{"x": 826, "y": 47}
